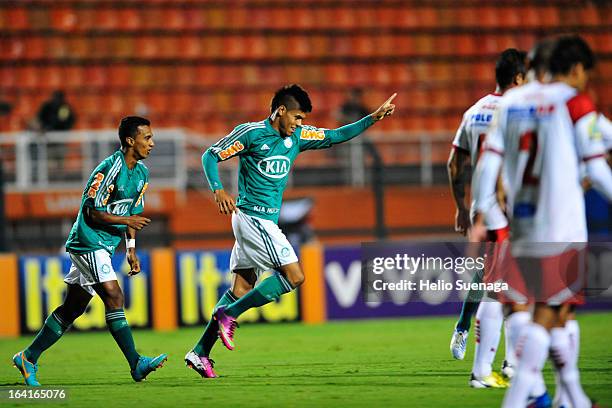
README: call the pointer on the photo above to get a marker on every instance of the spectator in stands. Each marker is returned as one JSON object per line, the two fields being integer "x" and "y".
{"x": 56, "y": 113}
{"x": 353, "y": 108}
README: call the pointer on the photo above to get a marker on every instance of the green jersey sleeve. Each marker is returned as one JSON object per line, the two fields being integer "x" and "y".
{"x": 101, "y": 184}
{"x": 311, "y": 138}
{"x": 234, "y": 144}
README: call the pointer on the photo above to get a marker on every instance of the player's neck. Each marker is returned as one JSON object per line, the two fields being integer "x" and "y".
{"x": 130, "y": 159}
{"x": 275, "y": 123}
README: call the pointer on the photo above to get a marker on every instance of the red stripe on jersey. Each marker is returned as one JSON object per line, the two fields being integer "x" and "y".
{"x": 595, "y": 156}
{"x": 526, "y": 141}
{"x": 461, "y": 149}
{"x": 579, "y": 106}
{"x": 490, "y": 149}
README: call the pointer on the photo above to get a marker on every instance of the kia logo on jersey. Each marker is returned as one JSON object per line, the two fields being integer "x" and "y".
{"x": 274, "y": 167}
{"x": 121, "y": 207}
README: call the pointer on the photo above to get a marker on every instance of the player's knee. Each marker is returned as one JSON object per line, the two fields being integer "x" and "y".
{"x": 296, "y": 278}
{"x": 114, "y": 300}
{"x": 69, "y": 315}
{"x": 240, "y": 291}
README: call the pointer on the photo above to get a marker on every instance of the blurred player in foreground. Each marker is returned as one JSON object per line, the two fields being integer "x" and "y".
{"x": 266, "y": 150}
{"x": 510, "y": 71}
{"x": 540, "y": 135}
{"x": 112, "y": 202}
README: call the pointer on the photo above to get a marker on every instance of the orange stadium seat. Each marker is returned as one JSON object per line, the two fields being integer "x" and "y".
{"x": 122, "y": 47}
{"x": 406, "y": 18}
{"x": 147, "y": 46}
{"x": 85, "y": 19}
{"x": 365, "y": 18}
{"x": 359, "y": 75}
{"x": 427, "y": 17}
{"x": 234, "y": 46}
{"x": 112, "y": 103}
{"x": 404, "y": 45}
{"x": 78, "y": 47}
{"x": 106, "y": 19}
{"x": 304, "y": 19}
{"x": 216, "y": 17}
{"x": 30, "y": 48}
{"x": 549, "y": 16}
{"x": 589, "y": 15}
{"x": 530, "y": 16}
{"x": 39, "y": 18}
{"x": 343, "y": 17}
{"x": 157, "y": 102}
{"x": 336, "y": 74}
{"x": 95, "y": 76}
{"x": 173, "y": 19}
{"x": 27, "y": 77}
{"x": 190, "y": 46}
{"x": 58, "y": 47}
{"x": 193, "y": 18}
{"x": 8, "y": 78}
{"x": 63, "y": 19}
{"x": 467, "y": 17}
{"x": 119, "y": 75}
{"x": 51, "y": 76}
{"x": 16, "y": 18}
{"x": 130, "y": 19}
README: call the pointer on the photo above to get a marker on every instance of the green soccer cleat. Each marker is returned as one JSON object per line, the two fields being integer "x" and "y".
{"x": 147, "y": 364}
{"x": 27, "y": 369}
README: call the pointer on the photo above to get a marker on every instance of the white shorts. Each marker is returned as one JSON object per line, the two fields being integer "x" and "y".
{"x": 90, "y": 268}
{"x": 259, "y": 245}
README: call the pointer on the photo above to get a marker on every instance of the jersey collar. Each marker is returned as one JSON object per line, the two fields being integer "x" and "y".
{"x": 270, "y": 128}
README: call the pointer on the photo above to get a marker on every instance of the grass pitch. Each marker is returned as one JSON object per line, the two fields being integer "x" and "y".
{"x": 385, "y": 363}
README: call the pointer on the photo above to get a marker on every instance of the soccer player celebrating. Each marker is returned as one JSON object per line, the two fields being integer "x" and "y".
{"x": 266, "y": 150}
{"x": 541, "y": 134}
{"x": 111, "y": 205}
{"x": 510, "y": 71}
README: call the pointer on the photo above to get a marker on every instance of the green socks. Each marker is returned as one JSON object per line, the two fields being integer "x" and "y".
{"x": 119, "y": 328}
{"x": 51, "y": 331}
{"x": 208, "y": 339}
{"x": 267, "y": 291}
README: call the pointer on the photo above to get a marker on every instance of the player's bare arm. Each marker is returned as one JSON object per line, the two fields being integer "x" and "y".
{"x": 226, "y": 202}
{"x": 457, "y": 164}
{"x": 386, "y": 109}
{"x": 130, "y": 253}
{"x": 136, "y": 222}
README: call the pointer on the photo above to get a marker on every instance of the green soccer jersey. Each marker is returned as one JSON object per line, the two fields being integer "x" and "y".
{"x": 266, "y": 159}
{"x": 112, "y": 188}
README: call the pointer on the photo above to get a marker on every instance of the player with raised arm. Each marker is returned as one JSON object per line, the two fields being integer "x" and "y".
{"x": 111, "y": 208}
{"x": 541, "y": 134}
{"x": 266, "y": 151}
{"x": 510, "y": 71}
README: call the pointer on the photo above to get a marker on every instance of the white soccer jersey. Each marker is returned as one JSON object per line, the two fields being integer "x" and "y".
{"x": 469, "y": 138}
{"x": 544, "y": 132}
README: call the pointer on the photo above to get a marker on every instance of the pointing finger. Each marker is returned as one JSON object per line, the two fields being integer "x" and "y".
{"x": 388, "y": 101}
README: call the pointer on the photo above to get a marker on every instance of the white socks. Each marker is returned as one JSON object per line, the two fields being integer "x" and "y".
{"x": 489, "y": 319}
{"x": 514, "y": 325}
{"x": 532, "y": 354}
{"x": 564, "y": 353}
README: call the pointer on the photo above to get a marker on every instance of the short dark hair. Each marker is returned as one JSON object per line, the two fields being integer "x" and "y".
{"x": 569, "y": 51}
{"x": 292, "y": 97}
{"x": 129, "y": 127}
{"x": 539, "y": 56}
{"x": 510, "y": 63}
